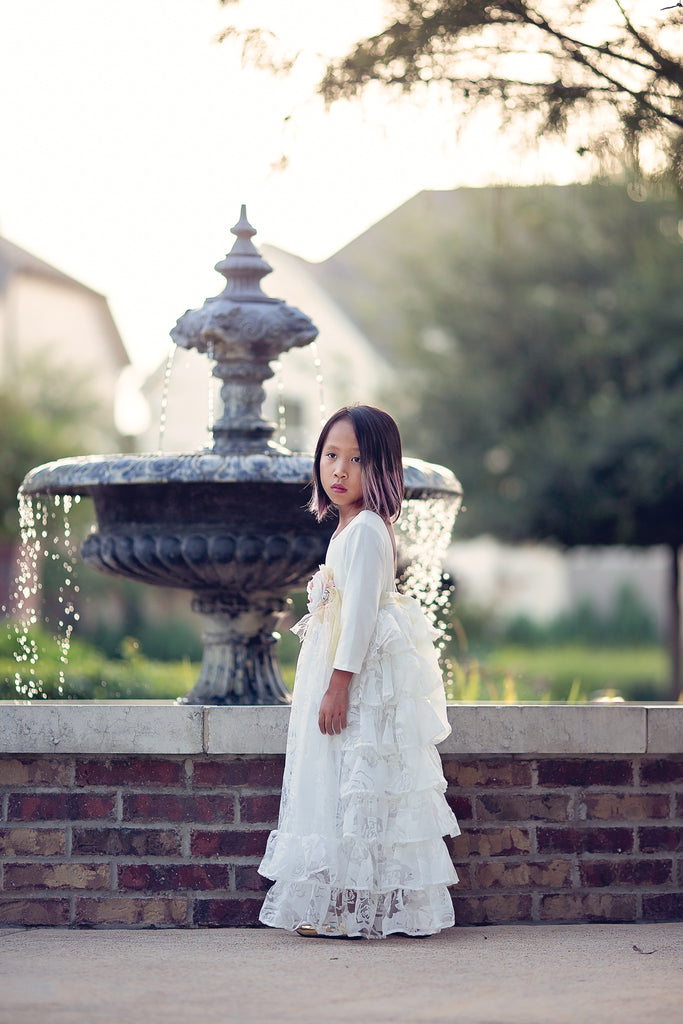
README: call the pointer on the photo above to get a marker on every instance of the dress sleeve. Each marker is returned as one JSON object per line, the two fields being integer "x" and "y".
{"x": 361, "y": 594}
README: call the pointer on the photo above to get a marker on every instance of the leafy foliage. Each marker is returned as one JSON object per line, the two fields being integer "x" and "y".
{"x": 544, "y": 65}
{"x": 537, "y": 333}
{"x": 47, "y": 412}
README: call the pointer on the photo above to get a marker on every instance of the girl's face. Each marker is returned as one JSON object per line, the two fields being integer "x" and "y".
{"x": 340, "y": 469}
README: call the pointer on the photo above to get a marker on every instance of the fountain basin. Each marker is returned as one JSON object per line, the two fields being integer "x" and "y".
{"x": 233, "y": 529}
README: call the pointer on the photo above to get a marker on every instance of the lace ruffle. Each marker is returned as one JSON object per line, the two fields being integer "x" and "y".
{"x": 374, "y": 866}
{"x": 333, "y": 911}
{"x": 359, "y": 847}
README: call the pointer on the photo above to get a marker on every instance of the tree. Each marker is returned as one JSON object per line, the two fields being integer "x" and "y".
{"x": 547, "y": 64}
{"x": 47, "y": 412}
{"x": 538, "y": 330}
{"x": 613, "y": 69}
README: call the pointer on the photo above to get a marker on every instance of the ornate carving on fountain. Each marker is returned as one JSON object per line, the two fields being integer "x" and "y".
{"x": 225, "y": 562}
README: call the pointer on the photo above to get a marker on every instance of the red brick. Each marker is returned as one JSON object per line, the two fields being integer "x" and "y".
{"x": 36, "y": 842}
{"x": 499, "y": 909}
{"x": 59, "y": 806}
{"x": 666, "y": 906}
{"x": 502, "y": 807}
{"x": 228, "y": 843}
{"x": 662, "y": 770}
{"x": 238, "y": 913}
{"x": 620, "y": 807}
{"x": 494, "y": 774}
{"x": 652, "y": 872}
{"x": 126, "y": 842}
{"x": 248, "y": 878}
{"x": 42, "y": 912}
{"x": 172, "y": 877}
{"x": 550, "y": 874}
{"x": 42, "y": 875}
{"x": 462, "y": 866}
{"x": 460, "y": 805}
{"x": 138, "y": 772}
{"x": 176, "y": 807}
{"x": 679, "y": 806}
{"x": 146, "y": 912}
{"x": 260, "y": 808}
{"x": 235, "y": 771}
{"x": 584, "y": 772}
{"x": 605, "y": 873}
{"x": 34, "y": 771}
{"x": 591, "y": 907}
{"x": 584, "y": 840}
{"x": 660, "y": 838}
{"x": 493, "y": 842}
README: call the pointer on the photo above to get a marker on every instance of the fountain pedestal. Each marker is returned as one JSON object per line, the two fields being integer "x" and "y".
{"x": 240, "y": 663}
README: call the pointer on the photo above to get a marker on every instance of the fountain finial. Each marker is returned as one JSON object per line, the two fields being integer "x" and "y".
{"x": 244, "y": 266}
{"x": 244, "y": 331}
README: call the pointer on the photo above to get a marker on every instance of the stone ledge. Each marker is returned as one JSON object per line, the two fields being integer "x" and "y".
{"x": 100, "y": 727}
{"x": 164, "y": 727}
{"x": 665, "y": 729}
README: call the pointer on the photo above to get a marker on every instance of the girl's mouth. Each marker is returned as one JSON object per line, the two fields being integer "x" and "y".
{"x": 339, "y": 489}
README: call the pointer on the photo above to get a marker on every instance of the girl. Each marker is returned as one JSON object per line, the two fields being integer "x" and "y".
{"x": 358, "y": 850}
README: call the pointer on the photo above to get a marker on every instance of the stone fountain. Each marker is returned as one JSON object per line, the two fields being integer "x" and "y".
{"x": 228, "y": 523}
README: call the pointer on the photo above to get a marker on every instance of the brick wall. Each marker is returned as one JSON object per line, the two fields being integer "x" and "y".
{"x": 174, "y": 841}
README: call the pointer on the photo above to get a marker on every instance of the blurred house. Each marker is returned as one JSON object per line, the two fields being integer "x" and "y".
{"x": 543, "y": 581}
{"x": 341, "y": 367}
{"x": 48, "y": 316}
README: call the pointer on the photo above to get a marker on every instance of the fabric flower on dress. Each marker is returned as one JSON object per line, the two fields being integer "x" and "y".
{"x": 320, "y": 590}
{"x": 324, "y": 605}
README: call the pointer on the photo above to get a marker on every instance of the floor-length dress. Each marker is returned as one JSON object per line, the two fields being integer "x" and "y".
{"x": 358, "y": 850}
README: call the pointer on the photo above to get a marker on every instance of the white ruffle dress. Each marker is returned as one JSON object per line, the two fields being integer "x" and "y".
{"x": 358, "y": 850}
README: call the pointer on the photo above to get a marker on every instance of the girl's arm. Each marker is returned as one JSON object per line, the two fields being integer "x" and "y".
{"x": 360, "y": 603}
{"x": 361, "y": 594}
{"x": 333, "y": 707}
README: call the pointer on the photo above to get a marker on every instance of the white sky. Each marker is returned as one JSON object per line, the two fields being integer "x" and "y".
{"x": 130, "y": 138}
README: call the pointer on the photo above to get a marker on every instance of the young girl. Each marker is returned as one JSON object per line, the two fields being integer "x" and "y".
{"x": 358, "y": 850}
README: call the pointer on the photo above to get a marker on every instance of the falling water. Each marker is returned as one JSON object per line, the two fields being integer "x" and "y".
{"x": 425, "y": 529}
{"x": 322, "y": 409}
{"x": 211, "y": 414}
{"x": 68, "y": 590}
{"x": 281, "y": 410}
{"x": 163, "y": 414}
{"x": 45, "y": 536}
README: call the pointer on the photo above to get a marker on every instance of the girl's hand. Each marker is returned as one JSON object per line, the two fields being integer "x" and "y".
{"x": 335, "y": 702}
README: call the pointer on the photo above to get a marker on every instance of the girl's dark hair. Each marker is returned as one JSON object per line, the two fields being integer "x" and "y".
{"x": 381, "y": 462}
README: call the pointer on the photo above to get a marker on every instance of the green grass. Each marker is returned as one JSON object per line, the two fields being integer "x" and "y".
{"x": 569, "y": 672}
{"x": 90, "y": 675}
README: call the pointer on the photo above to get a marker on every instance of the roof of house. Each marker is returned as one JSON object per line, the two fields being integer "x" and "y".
{"x": 15, "y": 260}
{"x": 365, "y": 275}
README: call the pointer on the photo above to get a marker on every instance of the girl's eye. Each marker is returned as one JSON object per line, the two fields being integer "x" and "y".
{"x": 356, "y": 458}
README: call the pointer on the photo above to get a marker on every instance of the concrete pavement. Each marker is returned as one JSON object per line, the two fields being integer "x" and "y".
{"x": 538, "y": 974}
